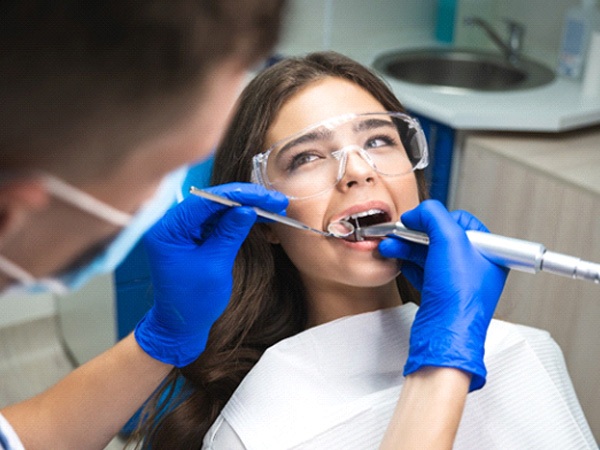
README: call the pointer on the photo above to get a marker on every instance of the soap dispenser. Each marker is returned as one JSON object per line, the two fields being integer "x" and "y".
{"x": 579, "y": 24}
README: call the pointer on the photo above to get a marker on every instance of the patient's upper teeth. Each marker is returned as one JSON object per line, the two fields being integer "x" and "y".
{"x": 369, "y": 212}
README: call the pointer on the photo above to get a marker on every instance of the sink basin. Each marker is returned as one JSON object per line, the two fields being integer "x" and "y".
{"x": 463, "y": 69}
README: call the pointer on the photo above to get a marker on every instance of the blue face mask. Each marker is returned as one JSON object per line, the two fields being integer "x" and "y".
{"x": 167, "y": 194}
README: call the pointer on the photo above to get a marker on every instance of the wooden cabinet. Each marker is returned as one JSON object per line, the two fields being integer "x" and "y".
{"x": 545, "y": 188}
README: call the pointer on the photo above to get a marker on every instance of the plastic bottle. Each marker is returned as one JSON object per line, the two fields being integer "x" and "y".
{"x": 444, "y": 25}
{"x": 580, "y": 22}
{"x": 590, "y": 84}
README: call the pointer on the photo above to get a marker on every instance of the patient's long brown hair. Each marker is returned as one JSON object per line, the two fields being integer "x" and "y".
{"x": 267, "y": 303}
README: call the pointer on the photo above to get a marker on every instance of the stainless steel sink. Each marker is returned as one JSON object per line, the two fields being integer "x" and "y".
{"x": 463, "y": 69}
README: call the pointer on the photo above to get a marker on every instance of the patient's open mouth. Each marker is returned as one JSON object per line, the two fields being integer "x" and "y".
{"x": 349, "y": 226}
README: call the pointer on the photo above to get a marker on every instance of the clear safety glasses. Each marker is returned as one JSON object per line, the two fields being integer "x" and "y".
{"x": 314, "y": 160}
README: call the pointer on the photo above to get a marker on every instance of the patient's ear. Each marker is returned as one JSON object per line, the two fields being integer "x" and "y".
{"x": 269, "y": 233}
{"x": 20, "y": 196}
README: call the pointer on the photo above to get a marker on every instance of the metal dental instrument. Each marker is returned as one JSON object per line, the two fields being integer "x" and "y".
{"x": 517, "y": 254}
{"x": 259, "y": 211}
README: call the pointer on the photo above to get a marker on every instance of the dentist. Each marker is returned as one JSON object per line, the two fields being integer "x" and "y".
{"x": 103, "y": 104}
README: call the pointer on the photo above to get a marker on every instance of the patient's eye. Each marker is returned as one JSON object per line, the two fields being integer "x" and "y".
{"x": 303, "y": 158}
{"x": 379, "y": 141}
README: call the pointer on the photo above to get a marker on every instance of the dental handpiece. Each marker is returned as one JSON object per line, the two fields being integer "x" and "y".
{"x": 517, "y": 254}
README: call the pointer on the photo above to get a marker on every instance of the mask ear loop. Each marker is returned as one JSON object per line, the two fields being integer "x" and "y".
{"x": 16, "y": 272}
{"x": 86, "y": 202}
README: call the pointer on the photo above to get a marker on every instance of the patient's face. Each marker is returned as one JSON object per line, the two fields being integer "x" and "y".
{"x": 326, "y": 263}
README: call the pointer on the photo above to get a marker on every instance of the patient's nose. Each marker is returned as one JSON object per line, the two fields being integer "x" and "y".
{"x": 358, "y": 170}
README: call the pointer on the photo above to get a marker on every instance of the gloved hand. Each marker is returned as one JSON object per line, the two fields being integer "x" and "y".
{"x": 191, "y": 251}
{"x": 459, "y": 290}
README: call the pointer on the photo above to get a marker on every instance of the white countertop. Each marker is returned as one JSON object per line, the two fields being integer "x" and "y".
{"x": 555, "y": 107}
{"x": 572, "y": 158}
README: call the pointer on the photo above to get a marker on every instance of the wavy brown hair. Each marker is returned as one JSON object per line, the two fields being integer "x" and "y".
{"x": 267, "y": 303}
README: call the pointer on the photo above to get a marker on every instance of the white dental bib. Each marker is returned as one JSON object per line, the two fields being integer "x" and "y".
{"x": 335, "y": 386}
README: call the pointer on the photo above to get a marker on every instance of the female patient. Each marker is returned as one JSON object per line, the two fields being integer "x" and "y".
{"x": 345, "y": 354}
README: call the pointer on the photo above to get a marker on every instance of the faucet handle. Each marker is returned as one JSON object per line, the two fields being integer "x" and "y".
{"x": 511, "y": 47}
{"x": 516, "y": 31}
{"x": 469, "y": 20}
{"x": 514, "y": 26}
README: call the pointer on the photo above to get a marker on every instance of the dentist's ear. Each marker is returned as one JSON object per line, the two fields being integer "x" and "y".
{"x": 18, "y": 197}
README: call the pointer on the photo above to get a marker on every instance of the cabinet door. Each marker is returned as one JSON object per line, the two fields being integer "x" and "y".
{"x": 514, "y": 200}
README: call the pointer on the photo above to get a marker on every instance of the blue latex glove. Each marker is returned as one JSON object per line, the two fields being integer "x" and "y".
{"x": 191, "y": 251}
{"x": 459, "y": 290}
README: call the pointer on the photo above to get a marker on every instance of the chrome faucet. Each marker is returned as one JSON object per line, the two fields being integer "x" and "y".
{"x": 511, "y": 47}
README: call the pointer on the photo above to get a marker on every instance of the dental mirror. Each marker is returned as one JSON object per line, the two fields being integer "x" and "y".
{"x": 341, "y": 229}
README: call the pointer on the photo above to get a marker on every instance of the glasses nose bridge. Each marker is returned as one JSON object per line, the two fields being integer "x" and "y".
{"x": 342, "y": 156}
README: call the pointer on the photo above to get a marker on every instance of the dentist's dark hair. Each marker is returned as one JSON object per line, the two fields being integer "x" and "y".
{"x": 85, "y": 82}
{"x": 268, "y": 300}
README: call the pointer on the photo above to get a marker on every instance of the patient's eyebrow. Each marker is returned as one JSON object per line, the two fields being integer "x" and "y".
{"x": 370, "y": 124}
{"x": 312, "y": 136}
{"x": 324, "y": 133}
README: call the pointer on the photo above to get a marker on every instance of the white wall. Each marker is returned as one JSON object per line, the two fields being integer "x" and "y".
{"x": 358, "y": 28}
{"x": 543, "y": 20}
